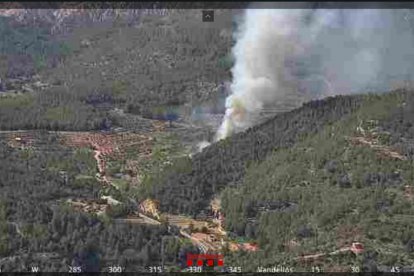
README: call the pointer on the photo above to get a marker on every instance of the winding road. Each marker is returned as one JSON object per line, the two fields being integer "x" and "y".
{"x": 99, "y": 153}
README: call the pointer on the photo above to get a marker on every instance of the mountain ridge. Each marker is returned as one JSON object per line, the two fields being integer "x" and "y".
{"x": 280, "y": 131}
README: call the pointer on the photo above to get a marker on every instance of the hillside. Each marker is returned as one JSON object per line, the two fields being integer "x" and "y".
{"x": 101, "y": 115}
{"x": 305, "y": 183}
{"x": 39, "y": 229}
{"x": 224, "y": 163}
{"x": 143, "y": 63}
{"x": 312, "y": 180}
{"x": 350, "y": 182}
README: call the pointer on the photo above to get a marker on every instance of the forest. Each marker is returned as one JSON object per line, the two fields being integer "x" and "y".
{"x": 39, "y": 229}
{"x": 91, "y": 71}
{"x": 302, "y": 174}
{"x": 337, "y": 192}
{"x": 303, "y": 178}
{"x": 90, "y": 84}
{"x": 195, "y": 181}
{"x": 314, "y": 179}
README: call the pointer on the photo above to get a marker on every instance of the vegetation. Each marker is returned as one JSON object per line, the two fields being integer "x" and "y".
{"x": 56, "y": 109}
{"x": 28, "y": 49}
{"x": 336, "y": 193}
{"x": 225, "y": 162}
{"x": 165, "y": 152}
{"x": 3, "y": 229}
{"x": 61, "y": 113}
{"x": 92, "y": 70}
{"x": 301, "y": 178}
{"x": 312, "y": 180}
{"x": 38, "y": 228}
{"x": 20, "y": 103}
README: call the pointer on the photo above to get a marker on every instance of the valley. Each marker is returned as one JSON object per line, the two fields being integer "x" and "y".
{"x": 109, "y": 157}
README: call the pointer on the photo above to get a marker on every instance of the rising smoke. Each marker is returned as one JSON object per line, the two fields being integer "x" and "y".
{"x": 285, "y": 57}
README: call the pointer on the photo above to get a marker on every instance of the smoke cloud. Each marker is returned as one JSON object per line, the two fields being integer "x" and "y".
{"x": 286, "y": 57}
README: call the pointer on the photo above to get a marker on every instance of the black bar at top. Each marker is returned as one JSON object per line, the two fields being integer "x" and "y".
{"x": 208, "y": 5}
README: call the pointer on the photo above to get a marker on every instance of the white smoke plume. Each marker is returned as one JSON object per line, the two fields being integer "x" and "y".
{"x": 202, "y": 145}
{"x": 284, "y": 57}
